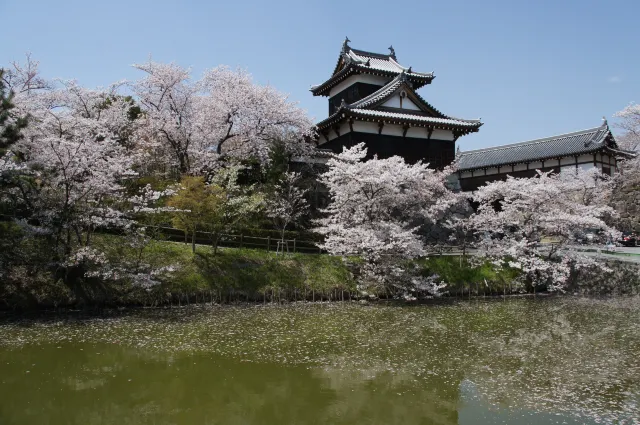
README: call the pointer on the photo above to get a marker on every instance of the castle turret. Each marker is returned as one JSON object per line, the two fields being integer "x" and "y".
{"x": 373, "y": 99}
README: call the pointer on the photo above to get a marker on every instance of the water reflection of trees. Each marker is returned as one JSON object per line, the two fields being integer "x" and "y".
{"x": 578, "y": 357}
{"x": 206, "y": 390}
{"x": 327, "y": 364}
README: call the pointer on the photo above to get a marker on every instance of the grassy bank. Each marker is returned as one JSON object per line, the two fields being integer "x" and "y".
{"x": 258, "y": 276}
{"x": 232, "y": 275}
{"x": 465, "y": 279}
{"x": 248, "y": 275}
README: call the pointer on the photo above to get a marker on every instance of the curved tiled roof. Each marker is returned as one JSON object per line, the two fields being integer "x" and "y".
{"x": 463, "y": 126}
{"x": 362, "y": 109}
{"x": 382, "y": 63}
{"x": 355, "y": 61}
{"x": 388, "y": 90}
{"x": 415, "y": 118}
{"x": 569, "y": 144}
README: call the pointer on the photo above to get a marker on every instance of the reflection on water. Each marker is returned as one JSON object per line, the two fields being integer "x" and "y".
{"x": 520, "y": 362}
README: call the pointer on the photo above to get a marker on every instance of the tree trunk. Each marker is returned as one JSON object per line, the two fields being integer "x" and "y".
{"x": 216, "y": 240}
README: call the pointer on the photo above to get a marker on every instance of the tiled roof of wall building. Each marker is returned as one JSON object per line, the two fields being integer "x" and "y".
{"x": 569, "y": 144}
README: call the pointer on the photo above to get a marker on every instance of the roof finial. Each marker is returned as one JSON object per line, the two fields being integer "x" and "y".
{"x": 345, "y": 45}
{"x": 458, "y": 151}
{"x": 409, "y": 70}
{"x": 604, "y": 121}
{"x": 343, "y": 104}
{"x": 393, "y": 52}
{"x": 368, "y": 62}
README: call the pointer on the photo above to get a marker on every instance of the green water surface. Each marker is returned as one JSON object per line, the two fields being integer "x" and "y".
{"x": 553, "y": 361}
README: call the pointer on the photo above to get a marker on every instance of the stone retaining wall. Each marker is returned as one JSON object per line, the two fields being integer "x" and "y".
{"x": 627, "y": 202}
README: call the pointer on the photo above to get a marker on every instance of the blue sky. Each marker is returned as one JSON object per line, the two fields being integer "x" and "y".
{"x": 528, "y": 68}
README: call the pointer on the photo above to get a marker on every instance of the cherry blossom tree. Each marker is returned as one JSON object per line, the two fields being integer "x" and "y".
{"x": 628, "y": 179}
{"x": 630, "y": 124}
{"x": 287, "y": 204}
{"x": 376, "y": 210}
{"x": 67, "y": 176}
{"x": 630, "y": 140}
{"x": 224, "y": 113}
{"x": 514, "y": 216}
{"x": 71, "y": 149}
{"x": 25, "y": 77}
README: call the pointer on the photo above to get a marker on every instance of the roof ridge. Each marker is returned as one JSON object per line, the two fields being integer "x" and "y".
{"x": 599, "y": 135}
{"x": 532, "y": 141}
{"x": 370, "y": 54}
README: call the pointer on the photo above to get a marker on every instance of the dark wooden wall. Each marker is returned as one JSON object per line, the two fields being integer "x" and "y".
{"x": 353, "y": 93}
{"x": 438, "y": 153}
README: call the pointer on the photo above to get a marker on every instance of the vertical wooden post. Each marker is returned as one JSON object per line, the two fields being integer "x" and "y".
{"x": 268, "y": 243}
{"x": 294, "y": 245}
{"x": 241, "y": 240}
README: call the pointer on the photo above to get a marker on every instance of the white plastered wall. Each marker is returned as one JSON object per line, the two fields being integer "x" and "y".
{"x": 390, "y": 130}
{"x": 397, "y": 102}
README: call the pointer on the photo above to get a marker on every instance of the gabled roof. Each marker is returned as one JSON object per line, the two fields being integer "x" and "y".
{"x": 353, "y": 61}
{"x": 563, "y": 145}
{"x": 397, "y": 85}
{"x": 428, "y": 116}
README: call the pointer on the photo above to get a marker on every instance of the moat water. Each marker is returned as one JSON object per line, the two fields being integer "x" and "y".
{"x": 520, "y": 361}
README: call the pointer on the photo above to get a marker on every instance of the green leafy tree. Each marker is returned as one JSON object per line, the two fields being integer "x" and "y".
{"x": 287, "y": 204}
{"x": 215, "y": 207}
{"x": 239, "y": 205}
{"x": 196, "y": 204}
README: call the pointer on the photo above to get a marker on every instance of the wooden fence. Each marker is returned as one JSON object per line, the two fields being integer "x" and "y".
{"x": 243, "y": 241}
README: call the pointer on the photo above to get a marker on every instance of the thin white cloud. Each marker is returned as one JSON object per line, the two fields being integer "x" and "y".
{"x": 615, "y": 79}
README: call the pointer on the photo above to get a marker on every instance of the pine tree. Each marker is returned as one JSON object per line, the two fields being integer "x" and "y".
{"x": 10, "y": 124}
